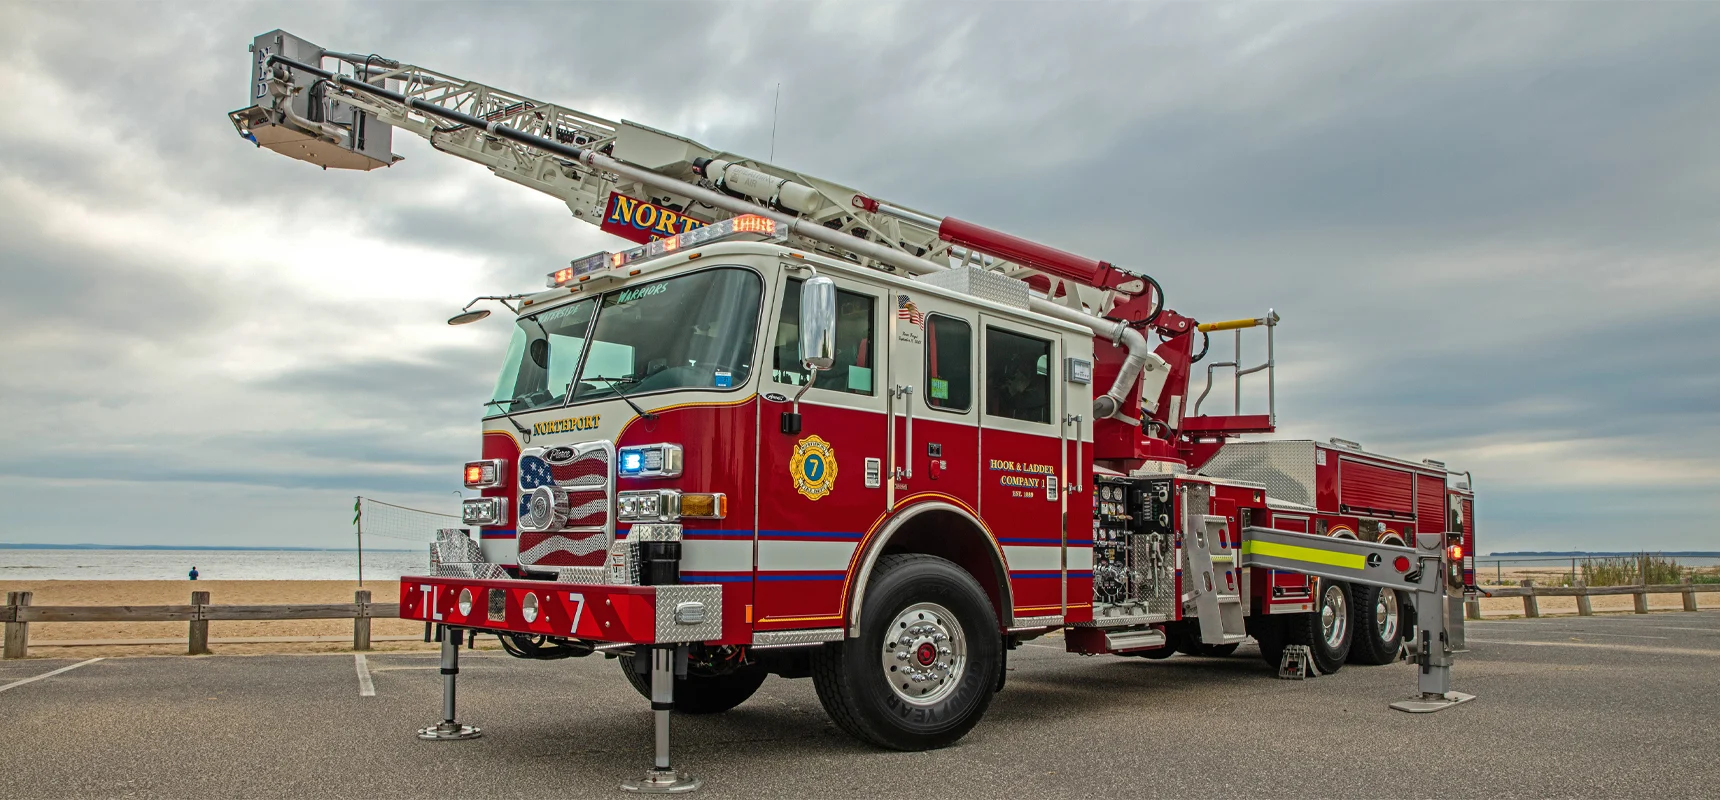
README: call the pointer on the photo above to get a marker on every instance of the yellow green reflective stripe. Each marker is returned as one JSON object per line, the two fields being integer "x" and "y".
{"x": 1312, "y": 555}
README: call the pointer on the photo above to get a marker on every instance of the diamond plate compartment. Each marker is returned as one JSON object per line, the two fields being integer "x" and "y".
{"x": 1286, "y": 469}
{"x": 672, "y": 598}
{"x": 982, "y": 284}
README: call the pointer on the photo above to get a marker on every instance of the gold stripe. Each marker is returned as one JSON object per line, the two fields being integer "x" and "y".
{"x": 1291, "y": 552}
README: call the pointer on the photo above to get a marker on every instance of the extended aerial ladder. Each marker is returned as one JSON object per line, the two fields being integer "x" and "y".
{"x": 343, "y": 118}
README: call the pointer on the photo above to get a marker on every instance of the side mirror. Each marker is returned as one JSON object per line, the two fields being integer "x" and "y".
{"x": 466, "y": 317}
{"x": 818, "y": 323}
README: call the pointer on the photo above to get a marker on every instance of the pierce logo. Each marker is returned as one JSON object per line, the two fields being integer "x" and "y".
{"x": 813, "y": 467}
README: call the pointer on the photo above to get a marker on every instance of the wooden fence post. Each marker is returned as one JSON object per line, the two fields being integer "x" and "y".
{"x": 17, "y": 632}
{"x": 361, "y": 623}
{"x": 1531, "y": 606}
{"x": 199, "y": 634}
{"x": 1689, "y": 595}
{"x": 1584, "y": 609}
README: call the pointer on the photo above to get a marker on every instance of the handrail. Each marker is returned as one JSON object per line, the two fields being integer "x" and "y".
{"x": 1270, "y": 322}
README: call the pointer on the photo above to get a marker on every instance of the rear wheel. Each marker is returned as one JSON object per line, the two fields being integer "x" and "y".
{"x": 926, "y": 663}
{"x": 1378, "y": 620}
{"x": 705, "y": 689}
{"x": 1268, "y": 632}
{"x": 1327, "y": 631}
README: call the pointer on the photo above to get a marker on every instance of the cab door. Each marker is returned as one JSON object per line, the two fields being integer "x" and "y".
{"x": 819, "y": 488}
{"x": 1021, "y": 455}
{"x": 934, "y": 400}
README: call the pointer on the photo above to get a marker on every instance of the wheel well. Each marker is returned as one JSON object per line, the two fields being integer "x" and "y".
{"x": 953, "y": 536}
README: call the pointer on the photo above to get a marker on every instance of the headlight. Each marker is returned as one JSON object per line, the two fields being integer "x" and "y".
{"x": 650, "y": 461}
{"x": 656, "y": 505}
{"x": 484, "y": 511}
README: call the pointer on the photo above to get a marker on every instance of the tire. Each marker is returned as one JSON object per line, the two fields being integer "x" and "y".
{"x": 910, "y": 601}
{"x": 1268, "y": 632}
{"x": 702, "y": 694}
{"x": 1378, "y": 623}
{"x": 1326, "y": 631}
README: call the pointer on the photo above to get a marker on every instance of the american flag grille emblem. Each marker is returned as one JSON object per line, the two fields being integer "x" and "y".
{"x": 584, "y": 541}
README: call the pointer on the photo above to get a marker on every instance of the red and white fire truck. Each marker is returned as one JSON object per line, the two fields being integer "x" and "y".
{"x": 796, "y": 429}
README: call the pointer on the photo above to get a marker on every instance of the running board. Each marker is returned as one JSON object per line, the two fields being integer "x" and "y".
{"x": 1120, "y": 641}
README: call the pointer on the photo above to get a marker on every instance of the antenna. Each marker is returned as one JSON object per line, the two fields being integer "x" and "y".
{"x": 774, "y": 104}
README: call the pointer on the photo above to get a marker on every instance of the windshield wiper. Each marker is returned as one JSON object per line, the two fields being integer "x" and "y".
{"x": 615, "y": 385}
{"x": 507, "y": 414}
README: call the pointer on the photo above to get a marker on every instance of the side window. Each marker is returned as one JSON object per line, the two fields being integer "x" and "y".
{"x": 949, "y": 363}
{"x": 1017, "y": 376}
{"x": 852, "y": 372}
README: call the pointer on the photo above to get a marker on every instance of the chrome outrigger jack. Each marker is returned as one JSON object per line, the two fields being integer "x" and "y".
{"x": 1420, "y": 569}
{"x": 1433, "y": 646}
{"x": 448, "y": 729}
{"x": 662, "y": 778}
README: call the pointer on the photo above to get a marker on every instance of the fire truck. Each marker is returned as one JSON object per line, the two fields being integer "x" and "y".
{"x": 791, "y": 428}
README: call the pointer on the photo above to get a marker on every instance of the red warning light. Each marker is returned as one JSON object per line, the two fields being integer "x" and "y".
{"x": 1401, "y": 564}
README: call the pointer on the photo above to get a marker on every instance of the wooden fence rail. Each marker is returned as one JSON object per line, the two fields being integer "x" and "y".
{"x": 18, "y": 613}
{"x": 1531, "y": 594}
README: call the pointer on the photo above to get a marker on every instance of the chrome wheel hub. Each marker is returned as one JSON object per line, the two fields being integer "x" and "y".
{"x": 1386, "y": 614}
{"x": 1334, "y": 616}
{"x": 924, "y": 654}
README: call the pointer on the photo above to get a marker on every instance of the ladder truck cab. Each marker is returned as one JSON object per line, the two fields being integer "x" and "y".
{"x": 792, "y": 428}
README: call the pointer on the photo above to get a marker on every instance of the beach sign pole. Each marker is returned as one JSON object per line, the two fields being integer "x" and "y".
{"x": 358, "y": 520}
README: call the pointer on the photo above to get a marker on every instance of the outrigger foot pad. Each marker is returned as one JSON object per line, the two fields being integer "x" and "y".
{"x": 1429, "y": 703}
{"x": 662, "y": 781}
{"x": 449, "y": 731}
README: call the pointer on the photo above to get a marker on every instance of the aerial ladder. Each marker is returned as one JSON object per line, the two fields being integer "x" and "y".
{"x": 342, "y": 116}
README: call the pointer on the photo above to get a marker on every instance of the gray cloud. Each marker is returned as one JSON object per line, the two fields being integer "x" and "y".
{"x": 1489, "y": 227}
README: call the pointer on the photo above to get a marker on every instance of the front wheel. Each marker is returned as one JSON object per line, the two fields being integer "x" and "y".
{"x": 926, "y": 663}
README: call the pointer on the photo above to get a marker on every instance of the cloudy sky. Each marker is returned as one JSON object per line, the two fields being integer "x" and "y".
{"x": 1491, "y": 230}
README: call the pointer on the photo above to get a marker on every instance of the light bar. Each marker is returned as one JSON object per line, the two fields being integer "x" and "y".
{"x": 586, "y": 268}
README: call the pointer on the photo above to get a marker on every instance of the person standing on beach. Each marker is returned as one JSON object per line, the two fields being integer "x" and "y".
{"x": 194, "y": 573}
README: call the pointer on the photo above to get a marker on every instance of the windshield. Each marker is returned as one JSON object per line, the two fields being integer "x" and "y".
{"x": 542, "y": 357}
{"x": 693, "y": 331}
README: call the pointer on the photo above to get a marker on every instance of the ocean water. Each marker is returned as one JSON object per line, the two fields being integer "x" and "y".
{"x": 93, "y": 565}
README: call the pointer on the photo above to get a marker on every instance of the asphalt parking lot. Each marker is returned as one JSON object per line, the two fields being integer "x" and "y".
{"x": 1602, "y": 706}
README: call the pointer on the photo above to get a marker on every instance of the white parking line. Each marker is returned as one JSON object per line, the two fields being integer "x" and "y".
{"x": 365, "y": 687}
{"x": 16, "y": 684}
{"x": 1630, "y": 648}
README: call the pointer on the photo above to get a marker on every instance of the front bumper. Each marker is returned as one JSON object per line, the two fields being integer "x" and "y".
{"x": 598, "y": 613}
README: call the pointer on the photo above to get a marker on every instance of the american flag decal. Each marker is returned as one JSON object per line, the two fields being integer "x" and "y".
{"x": 906, "y": 310}
{"x": 584, "y": 542}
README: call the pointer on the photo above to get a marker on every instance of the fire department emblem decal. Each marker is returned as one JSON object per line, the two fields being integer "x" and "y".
{"x": 813, "y": 467}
